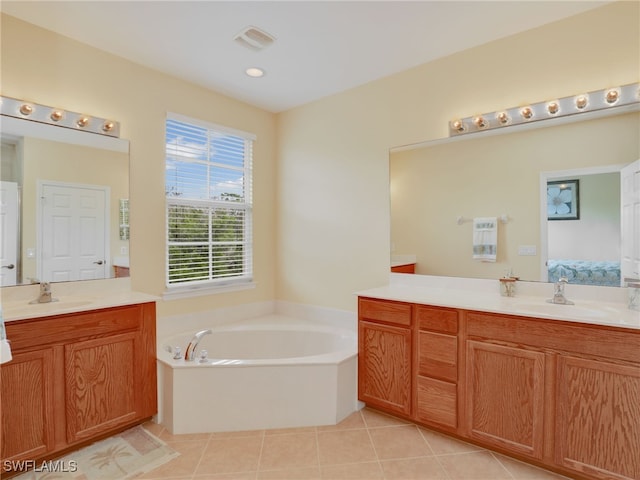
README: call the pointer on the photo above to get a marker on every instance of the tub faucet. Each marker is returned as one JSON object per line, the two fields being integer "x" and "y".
{"x": 190, "y": 353}
{"x": 558, "y": 293}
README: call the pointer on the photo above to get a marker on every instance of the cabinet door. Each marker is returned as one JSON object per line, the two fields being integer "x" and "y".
{"x": 505, "y": 397}
{"x": 384, "y": 366}
{"x": 27, "y": 405}
{"x": 598, "y": 418}
{"x": 100, "y": 387}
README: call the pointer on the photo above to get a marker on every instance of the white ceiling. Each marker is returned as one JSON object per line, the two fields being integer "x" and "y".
{"x": 322, "y": 47}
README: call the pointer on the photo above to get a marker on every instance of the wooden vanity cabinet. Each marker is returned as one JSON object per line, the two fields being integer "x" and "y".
{"x": 385, "y": 355}
{"x": 564, "y": 395}
{"x": 569, "y": 392}
{"x": 75, "y": 378}
{"x": 598, "y": 417}
{"x": 436, "y": 357}
{"x": 407, "y": 268}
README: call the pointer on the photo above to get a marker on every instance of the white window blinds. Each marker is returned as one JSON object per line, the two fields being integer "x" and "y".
{"x": 209, "y": 204}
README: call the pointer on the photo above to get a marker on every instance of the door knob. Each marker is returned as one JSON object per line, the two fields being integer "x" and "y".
{"x": 11, "y": 266}
{"x": 99, "y": 262}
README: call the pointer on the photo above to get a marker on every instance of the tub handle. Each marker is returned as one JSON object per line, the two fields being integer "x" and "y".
{"x": 177, "y": 353}
{"x": 203, "y": 356}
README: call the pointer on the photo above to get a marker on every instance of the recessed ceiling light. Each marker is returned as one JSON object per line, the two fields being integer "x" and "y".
{"x": 254, "y": 72}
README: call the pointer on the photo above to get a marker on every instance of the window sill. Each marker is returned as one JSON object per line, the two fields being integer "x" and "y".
{"x": 177, "y": 293}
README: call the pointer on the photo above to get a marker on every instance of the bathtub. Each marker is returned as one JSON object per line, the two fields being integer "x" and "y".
{"x": 268, "y": 372}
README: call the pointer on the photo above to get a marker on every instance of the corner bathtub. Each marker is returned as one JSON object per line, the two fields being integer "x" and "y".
{"x": 269, "y": 372}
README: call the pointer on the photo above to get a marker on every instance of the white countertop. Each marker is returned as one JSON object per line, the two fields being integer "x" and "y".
{"x": 72, "y": 297}
{"x": 121, "y": 261}
{"x": 593, "y": 305}
{"x": 399, "y": 260}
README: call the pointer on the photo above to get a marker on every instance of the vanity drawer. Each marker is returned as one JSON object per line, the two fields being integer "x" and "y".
{"x": 74, "y": 326}
{"x": 437, "y": 319}
{"x": 437, "y": 402}
{"x": 438, "y": 355}
{"x": 397, "y": 313}
{"x": 599, "y": 340}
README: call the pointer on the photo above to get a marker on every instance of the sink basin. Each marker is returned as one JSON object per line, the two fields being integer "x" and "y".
{"x": 62, "y": 304}
{"x": 568, "y": 311}
{"x": 24, "y": 309}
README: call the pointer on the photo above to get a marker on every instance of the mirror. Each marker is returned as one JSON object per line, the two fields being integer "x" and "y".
{"x": 438, "y": 188}
{"x": 62, "y": 192}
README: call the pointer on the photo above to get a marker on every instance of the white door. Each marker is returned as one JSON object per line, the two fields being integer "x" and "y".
{"x": 74, "y": 234}
{"x": 8, "y": 233}
{"x": 630, "y": 204}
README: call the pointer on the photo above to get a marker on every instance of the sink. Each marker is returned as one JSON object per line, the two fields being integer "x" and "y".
{"x": 16, "y": 309}
{"x": 569, "y": 311}
{"x": 62, "y": 304}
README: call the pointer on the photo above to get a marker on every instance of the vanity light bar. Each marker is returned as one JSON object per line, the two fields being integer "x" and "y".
{"x": 12, "y": 107}
{"x": 562, "y": 107}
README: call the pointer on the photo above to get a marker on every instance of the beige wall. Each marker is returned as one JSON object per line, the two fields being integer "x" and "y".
{"x": 321, "y": 209}
{"x": 46, "y": 68}
{"x": 333, "y": 191}
{"x": 494, "y": 175}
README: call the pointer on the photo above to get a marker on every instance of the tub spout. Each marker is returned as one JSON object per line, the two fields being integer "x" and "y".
{"x": 190, "y": 353}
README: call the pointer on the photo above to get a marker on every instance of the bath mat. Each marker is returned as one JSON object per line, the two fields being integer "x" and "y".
{"x": 123, "y": 456}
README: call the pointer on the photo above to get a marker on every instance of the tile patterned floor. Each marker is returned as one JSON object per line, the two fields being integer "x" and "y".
{"x": 367, "y": 445}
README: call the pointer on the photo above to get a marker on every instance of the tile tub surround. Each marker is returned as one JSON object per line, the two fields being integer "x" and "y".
{"x": 367, "y": 445}
{"x": 597, "y": 305}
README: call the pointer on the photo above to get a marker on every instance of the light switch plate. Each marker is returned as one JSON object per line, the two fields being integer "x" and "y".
{"x": 527, "y": 250}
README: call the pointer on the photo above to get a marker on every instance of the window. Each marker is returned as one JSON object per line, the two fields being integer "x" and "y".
{"x": 209, "y": 205}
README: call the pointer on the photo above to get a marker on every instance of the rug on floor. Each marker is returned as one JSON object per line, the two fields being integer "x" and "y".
{"x": 123, "y": 456}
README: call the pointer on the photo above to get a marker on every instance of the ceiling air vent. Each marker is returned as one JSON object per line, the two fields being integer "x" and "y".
{"x": 254, "y": 38}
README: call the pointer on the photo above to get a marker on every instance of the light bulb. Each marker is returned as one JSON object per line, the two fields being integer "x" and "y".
{"x": 612, "y": 96}
{"x": 26, "y": 109}
{"x": 480, "y": 122}
{"x": 581, "y": 102}
{"x": 526, "y": 113}
{"x": 458, "y": 126}
{"x": 82, "y": 122}
{"x": 503, "y": 118}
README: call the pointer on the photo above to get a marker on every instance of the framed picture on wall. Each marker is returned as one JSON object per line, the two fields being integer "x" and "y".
{"x": 563, "y": 200}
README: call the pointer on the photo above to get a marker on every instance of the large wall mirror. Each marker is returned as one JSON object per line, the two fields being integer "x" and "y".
{"x": 64, "y": 204}
{"x": 438, "y": 188}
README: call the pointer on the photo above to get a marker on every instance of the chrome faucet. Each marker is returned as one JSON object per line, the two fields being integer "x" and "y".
{"x": 558, "y": 293}
{"x": 190, "y": 353}
{"x": 45, "y": 294}
{"x": 633, "y": 284}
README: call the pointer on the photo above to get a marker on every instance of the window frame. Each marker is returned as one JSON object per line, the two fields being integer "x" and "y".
{"x": 225, "y": 284}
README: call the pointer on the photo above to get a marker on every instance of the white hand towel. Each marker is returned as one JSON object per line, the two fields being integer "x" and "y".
{"x": 485, "y": 238}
